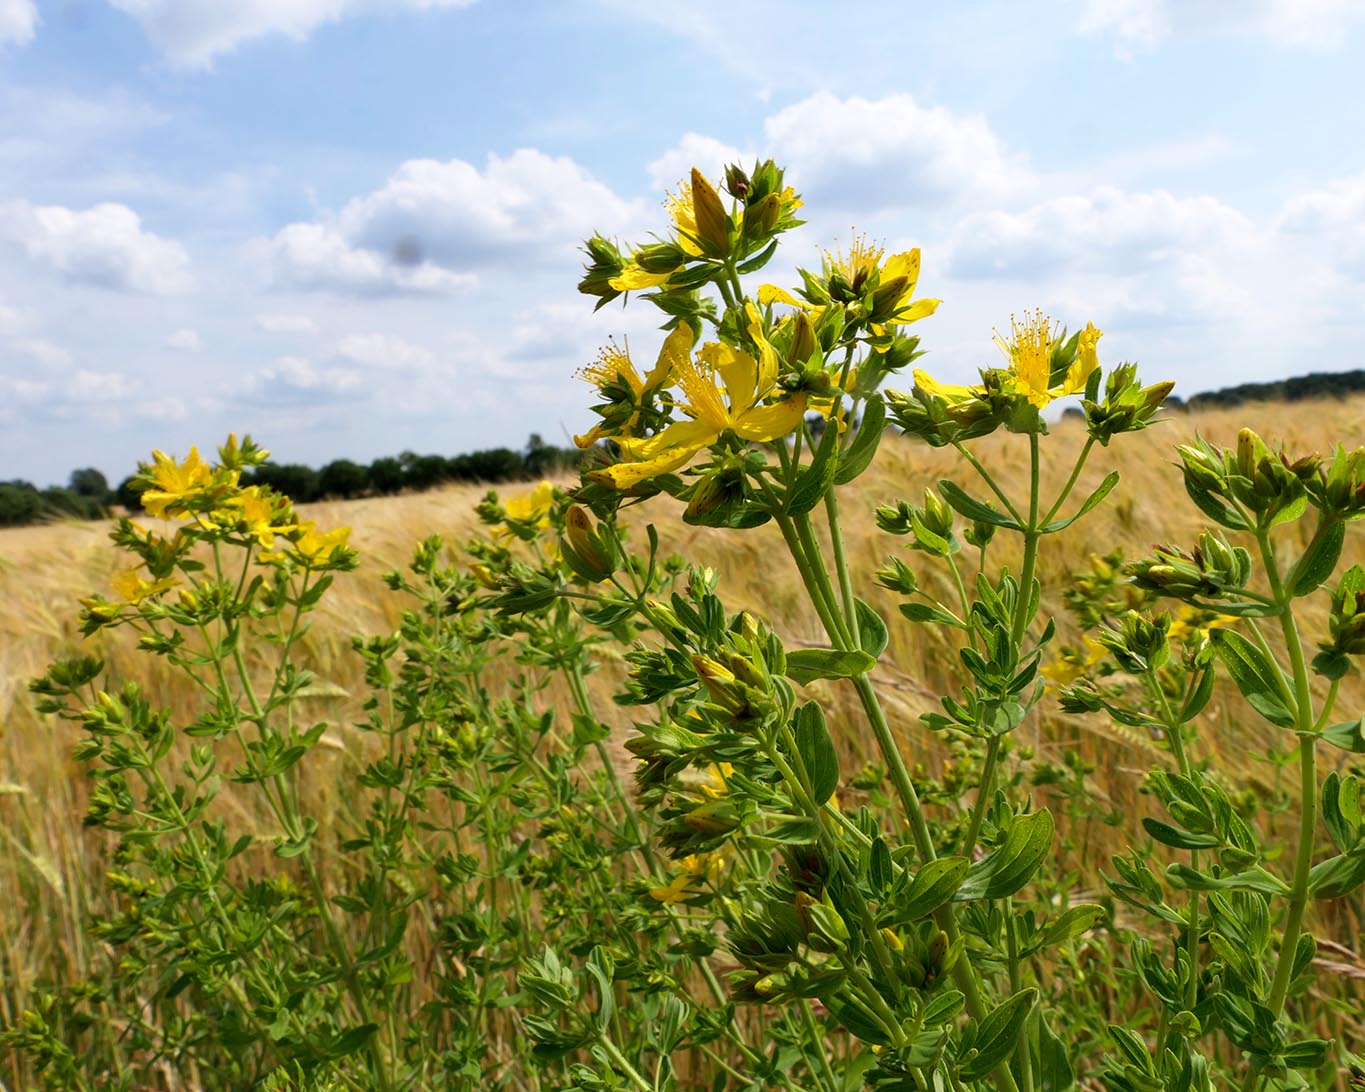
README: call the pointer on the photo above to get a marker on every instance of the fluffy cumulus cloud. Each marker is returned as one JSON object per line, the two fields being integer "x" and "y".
{"x": 1334, "y": 217}
{"x": 18, "y": 20}
{"x": 104, "y": 245}
{"x": 294, "y": 379}
{"x": 1147, "y": 22}
{"x": 893, "y": 152}
{"x": 694, "y": 150}
{"x": 1109, "y": 229}
{"x": 192, "y": 32}
{"x": 435, "y": 224}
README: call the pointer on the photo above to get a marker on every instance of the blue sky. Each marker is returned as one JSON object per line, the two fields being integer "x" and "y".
{"x": 201, "y": 201}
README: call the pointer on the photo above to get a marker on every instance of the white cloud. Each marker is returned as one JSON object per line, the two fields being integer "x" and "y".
{"x": 104, "y": 245}
{"x": 12, "y": 321}
{"x": 18, "y": 21}
{"x": 1148, "y": 22}
{"x": 1333, "y": 216}
{"x": 707, "y": 154}
{"x": 45, "y": 352}
{"x": 1109, "y": 230}
{"x": 875, "y": 154}
{"x": 286, "y": 324}
{"x": 192, "y": 32}
{"x": 87, "y": 386}
{"x": 318, "y": 256}
{"x": 386, "y": 351}
{"x": 433, "y": 224}
{"x": 295, "y": 378}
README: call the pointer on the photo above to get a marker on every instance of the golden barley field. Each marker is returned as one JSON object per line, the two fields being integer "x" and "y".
{"x": 50, "y": 865}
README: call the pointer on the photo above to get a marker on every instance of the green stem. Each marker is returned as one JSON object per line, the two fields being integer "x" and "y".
{"x": 1071, "y": 481}
{"x": 1308, "y": 779}
{"x": 984, "y": 793}
{"x": 1031, "y": 537}
{"x": 619, "y": 1059}
{"x": 985, "y": 474}
{"x": 817, "y": 1044}
{"x": 841, "y": 564}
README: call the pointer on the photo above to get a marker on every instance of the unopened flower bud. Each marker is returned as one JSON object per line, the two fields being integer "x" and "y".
{"x": 713, "y": 224}
{"x": 804, "y": 343}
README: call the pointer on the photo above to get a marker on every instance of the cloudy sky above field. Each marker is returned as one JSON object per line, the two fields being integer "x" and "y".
{"x": 350, "y": 227}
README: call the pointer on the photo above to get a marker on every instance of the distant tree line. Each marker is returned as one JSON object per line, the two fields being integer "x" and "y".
{"x": 1313, "y": 385}
{"x": 87, "y": 494}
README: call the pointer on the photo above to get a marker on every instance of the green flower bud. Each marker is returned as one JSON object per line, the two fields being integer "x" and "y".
{"x": 713, "y": 223}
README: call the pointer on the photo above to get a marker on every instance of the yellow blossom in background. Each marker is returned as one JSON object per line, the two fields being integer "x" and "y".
{"x": 696, "y": 874}
{"x": 174, "y": 484}
{"x": 738, "y": 409}
{"x": 533, "y": 507}
{"x": 1073, "y": 664}
{"x": 130, "y": 586}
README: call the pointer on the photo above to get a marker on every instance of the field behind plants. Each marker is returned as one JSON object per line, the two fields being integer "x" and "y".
{"x": 50, "y": 866}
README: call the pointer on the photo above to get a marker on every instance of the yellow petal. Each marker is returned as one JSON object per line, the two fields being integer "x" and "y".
{"x": 770, "y": 293}
{"x": 916, "y": 311}
{"x": 772, "y": 422}
{"x": 1087, "y": 360}
{"x": 904, "y": 265}
{"x": 632, "y": 278}
{"x": 676, "y": 350}
{"x": 949, "y": 392}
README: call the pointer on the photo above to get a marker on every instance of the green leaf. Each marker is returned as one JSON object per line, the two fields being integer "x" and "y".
{"x": 1169, "y": 835}
{"x": 1252, "y": 879}
{"x": 942, "y": 1009}
{"x": 973, "y": 509}
{"x": 1198, "y": 698}
{"x": 854, "y": 1020}
{"x": 758, "y": 261}
{"x": 872, "y": 635}
{"x": 1102, "y": 490}
{"x": 932, "y": 886}
{"x": 1260, "y": 680}
{"x": 998, "y": 1034}
{"x": 1349, "y": 735}
{"x": 1054, "y": 1070}
{"x": 1011, "y": 865}
{"x": 859, "y": 454}
{"x": 1216, "y": 508}
{"x": 879, "y": 868}
{"x": 807, "y": 664}
{"x": 1072, "y": 923}
{"x": 1336, "y": 876}
{"x": 815, "y": 480}
{"x": 350, "y": 1040}
{"x": 1341, "y": 812}
{"x": 1319, "y": 561}
{"x": 816, "y": 748}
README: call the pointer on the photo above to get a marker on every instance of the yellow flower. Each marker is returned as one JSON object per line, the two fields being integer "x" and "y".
{"x": 1073, "y": 664}
{"x": 253, "y": 512}
{"x": 133, "y": 589}
{"x": 696, "y": 874}
{"x": 175, "y": 485}
{"x": 897, "y": 280}
{"x": 739, "y": 409}
{"x": 533, "y": 507}
{"x": 614, "y": 366}
{"x": 678, "y": 204}
{"x": 1029, "y": 351}
{"x": 309, "y": 547}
